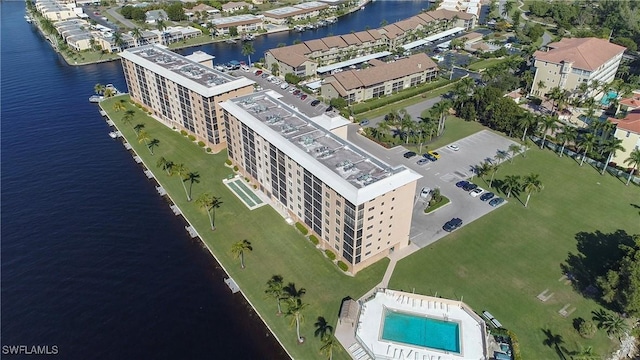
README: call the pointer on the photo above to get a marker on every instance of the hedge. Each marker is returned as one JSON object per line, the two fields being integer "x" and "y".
{"x": 515, "y": 346}
{"x": 314, "y": 239}
{"x": 183, "y": 132}
{"x": 192, "y": 137}
{"x": 380, "y": 102}
{"x": 302, "y": 228}
{"x": 228, "y": 162}
{"x": 330, "y": 254}
{"x": 342, "y": 266}
{"x": 201, "y": 143}
{"x": 208, "y": 149}
{"x": 235, "y": 168}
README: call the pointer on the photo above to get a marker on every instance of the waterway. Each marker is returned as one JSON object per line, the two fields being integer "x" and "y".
{"x": 92, "y": 260}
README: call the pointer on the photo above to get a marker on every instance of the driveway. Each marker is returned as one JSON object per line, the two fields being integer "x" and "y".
{"x": 452, "y": 167}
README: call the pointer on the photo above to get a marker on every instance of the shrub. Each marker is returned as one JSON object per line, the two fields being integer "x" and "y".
{"x": 255, "y": 186}
{"x": 138, "y": 105}
{"x": 235, "y": 168}
{"x": 208, "y": 149}
{"x": 228, "y": 162}
{"x": 515, "y": 346}
{"x": 183, "y": 132}
{"x": 201, "y": 143}
{"x": 302, "y": 228}
{"x": 145, "y": 109}
{"x": 343, "y": 266}
{"x": 313, "y": 239}
{"x": 330, "y": 254}
{"x": 587, "y": 329}
{"x": 246, "y": 179}
{"x": 192, "y": 137}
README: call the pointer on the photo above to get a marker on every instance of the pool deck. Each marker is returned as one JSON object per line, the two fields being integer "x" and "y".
{"x": 367, "y": 332}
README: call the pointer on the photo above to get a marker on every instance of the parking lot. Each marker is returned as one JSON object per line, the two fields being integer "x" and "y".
{"x": 452, "y": 167}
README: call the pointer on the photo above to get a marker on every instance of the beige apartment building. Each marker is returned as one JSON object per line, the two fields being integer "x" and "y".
{"x": 56, "y": 10}
{"x": 305, "y": 10}
{"x": 354, "y": 203}
{"x": 181, "y": 92}
{"x": 570, "y": 62}
{"x": 243, "y": 23}
{"x": 380, "y": 78}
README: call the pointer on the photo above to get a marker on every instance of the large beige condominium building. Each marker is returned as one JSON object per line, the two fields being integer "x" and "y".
{"x": 568, "y": 63}
{"x": 242, "y": 23}
{"x": 627, "y": 130}
{"x": 181, "y": 92}
{"x": 56, "y": 10}
{"x": 301, "y": 11}
{"x": 354, "y": 203}
{"x": 380, "y": 78}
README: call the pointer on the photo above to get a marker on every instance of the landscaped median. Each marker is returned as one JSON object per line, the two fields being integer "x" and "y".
{"x": 278, "y": 248}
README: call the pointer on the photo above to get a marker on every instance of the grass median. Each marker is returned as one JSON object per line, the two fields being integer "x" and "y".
{"x": 277, "y": 247}
{"x": 503, "y": 260}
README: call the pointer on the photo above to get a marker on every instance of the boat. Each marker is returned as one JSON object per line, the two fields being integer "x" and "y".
{"x": 96, "y": 98}
{"x": 231, "y": 41}
{"x": 248, "y": 37}
{"x": 362, "y": 8}
{"x": 331, "y": 20}
{"x": 310, "y": 26}
{"x": 113, "y": 134}
{"x": 28, "y": 18}
{"x": 299, "y": 28}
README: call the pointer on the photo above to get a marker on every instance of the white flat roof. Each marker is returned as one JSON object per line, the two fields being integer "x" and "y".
{"x": 184, "y": 71}
{"x": 415, "y": 44}
{"x": 443, "y": 34}
{"x": 353, "y": 61}
{"x": 352, "y": 172}
{"x": 200, "y": 56}
{"x": 472, "y": 332}
{"x": 234, "y": 19}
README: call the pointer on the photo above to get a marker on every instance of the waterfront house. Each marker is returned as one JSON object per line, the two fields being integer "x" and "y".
{"x": 234, "y": 6}
{"x": 154, "y": 15}
{"x": 243, "y": 23}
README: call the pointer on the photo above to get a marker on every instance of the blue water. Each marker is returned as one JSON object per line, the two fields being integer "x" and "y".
{"x": 421, "y": 331}
{"x": 93, "y": 261}
{"x": 606, "y": 99}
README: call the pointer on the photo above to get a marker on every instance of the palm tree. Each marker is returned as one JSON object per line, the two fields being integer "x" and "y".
{"x": 143, "y": 137}
{"x": 210, "y": 203}
{"x": 506, "y": 9}
{"x": 118, "y": 105}
{"x": 501, "y": 156}
{"x": 441, "y": 109}
{"x": 511, "y": 183}
{"x": 541, "y": 85}
{"x": 165, "y": 164}
{"x": 514, "y": 149}
{"x": 548, "y": 124}
{"x": 128, "y": 116}
{"x": 109, "y": 92}
{"x": 323, "y": 329}
{"x": 275, "y": 68}
{"x": 634, "y": 161}
{"x": 160, "y": 25}
{"x": 238, "y": 249}
{"x": 328, "y": 345}
{"x": 494, "y": 170}
{"x": 531, "y": 183}
{"x": 613, "y": 324}
{"x": 136, "y": 33}
{"x": 248, "y": 50}
{"x": 138, "y": 127}
{"x": 99, "y": 89}
{"x": 118, "y": 41}
{"x": 191, "y": 177}
{"x": 611, "y": 146}
{"x": 153, "y": 143}
{"x": 462, "y": 90}
{"x": 275, "y": 289}
{"x": 181, "y": 171}
{"x": 587, "y": 142}
{"x": 528, "y": 121}
{"x": 212, "y": 28}
{"x": 294, "y": 311}
{"x": 483, "y": 169}
{"x": 568, "y": 134}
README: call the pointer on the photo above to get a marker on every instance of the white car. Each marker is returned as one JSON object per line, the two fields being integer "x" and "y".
{"x": 276, "y": 81}
{"x": 284, "y": 86}
{"x": 424, "y": 193}
{"x": 453, "y": 147}
{"x": 476, "y": 192}
{"x": 292, "y": 89}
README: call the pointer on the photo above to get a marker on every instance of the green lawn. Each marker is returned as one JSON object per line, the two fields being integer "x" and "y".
{"x": 455, "y": 129}
{"x": 502, "y": 261}
{"x": 277, "y": 247}
{"x": 486, "y": 63}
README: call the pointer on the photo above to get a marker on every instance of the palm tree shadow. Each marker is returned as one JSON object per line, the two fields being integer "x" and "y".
{"x": 554, "y": 341}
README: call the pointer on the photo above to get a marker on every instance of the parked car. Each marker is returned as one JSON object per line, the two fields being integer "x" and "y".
{"x": 264, "y": 75}
{"x": 496, "y": 201}
{"x": 475, "y": 192}
{"x": 452, "y": 224}
{"x": 462, "y": 183}
{"x": 453, "y": 147}
{"x": 430, "y": 157}
{"x": 469, "y": 187}
{"x": 284, "y": 86}
{"x": 434, "y": 154}
{"x": 364, "y": 122}
{"x": 487, "y": 196}
{"x": 258, "y": 72}
{"x": 409, "y": 154}
{"x": 296, "y": 92}
{"x": 292, "y": 89}
{"x": 329, "y": 108}
{"x": 422, "y": 161}
{"x": 303, "y": 96}
{"x": 424, "y": 193}
{"x": 315, "y": 102}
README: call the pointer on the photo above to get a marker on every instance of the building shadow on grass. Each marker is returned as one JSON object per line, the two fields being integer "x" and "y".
{"x": 597, "y": 253}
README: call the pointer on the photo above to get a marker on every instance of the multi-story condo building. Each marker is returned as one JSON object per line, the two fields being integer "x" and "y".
{"x": 380, "y": 78}
{"x": 304, "y": 59}
{"x": 56, "y": 10}
{"x": 301, "y": 11}
{"x": 181, "y": 92}
{"x": 243, "y": 23}
{"x": 569, "y": 62}
{"x": 354, "y": 203}
{"x": 627, "y": 130}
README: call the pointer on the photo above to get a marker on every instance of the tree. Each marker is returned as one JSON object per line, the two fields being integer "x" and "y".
{"x": 506, "y": 9}
{"x": 441, "y": 109}
{"x": 118, "y": 105}
{"x": 275, "y": 289}
{"x": 328, "y": 345}
{"x": 323, "y": 329}
{"x": 610, "y": 147}
{"x": 161, "y": 25}
{"x": 613, "y": 324}
{"x": 548, "y": 124}
{"x": 620, "y": 286}
{"x": 511, "y": 183}
{"x": 634, "y": 161}
{"x": 212, "y": 28}
{"x": 138, "y": 127}
{"x": 233, "y": 31}
{"x": 99, "y": 89}
{"x": 248, "y": 50}
{"x": 531, "y": 183}
{"x": 514, "y": 149}
{"x": 568, "y": 134}
{"x": 118, "y": 41}
{"x": 191, "y": 177}
{"x": 292, "y": 293}
{"x": 528, "y": 121}
{"x": 136, "y": 33}
{"x": 181, "y": 171}
{"x": 209, "y": 203}
{"x": 175, "y": 12}
{"x": 587, "y": 142}
{"x": 128, "y": 117}
{"x": 165, "y": 164}
{"x": 483, "y": 169}
{"x": 143, "y": 137}
{"x": 275, "y": 69}
{"x": 238, "y": 249}
{"x": 109, "y": 92}
{"x": 294, "y": 310}
{"x": 153, "y": 143}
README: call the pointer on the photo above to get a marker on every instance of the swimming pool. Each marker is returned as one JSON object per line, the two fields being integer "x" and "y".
{"x": 421, "y": 331}
{"x": 606, "y": 99}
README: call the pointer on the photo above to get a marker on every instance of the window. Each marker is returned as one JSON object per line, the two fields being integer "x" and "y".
{"x": 371, "y": 208}
{"x": 371, "y": 217}
{"x": 378, "y": 91}
{"x": 397, "y": 86}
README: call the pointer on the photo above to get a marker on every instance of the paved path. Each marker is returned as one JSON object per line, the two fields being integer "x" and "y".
{"x": 116, "y": 15}
{"x": 413, "y": 110}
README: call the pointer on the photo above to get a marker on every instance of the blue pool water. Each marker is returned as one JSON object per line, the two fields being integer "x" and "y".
{"x": 606, "y": 99}
{"x": 421, "y": 331}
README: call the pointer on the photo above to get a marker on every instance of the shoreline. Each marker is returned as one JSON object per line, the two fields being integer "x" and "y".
{"x": 168, "y": 195}
{"x": 180, "y": 47}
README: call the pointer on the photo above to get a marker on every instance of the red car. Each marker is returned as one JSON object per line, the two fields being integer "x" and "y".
{"x": 258, "y": 72}
{"x": 304, "y": 96}
{"x": 296, "y": 92}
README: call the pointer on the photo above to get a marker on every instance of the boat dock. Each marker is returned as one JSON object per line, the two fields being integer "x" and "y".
{"x": 175, "y": 209}
{"x": 192, "y": 232}
{"x": 161, "y": 190}
{"x": 127, "y": 145}
{"x": 232, "y": 285}
{"x": 148, "y": 173}
{"x": 137, "y": 159}
{"x": 104, "y": 114}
